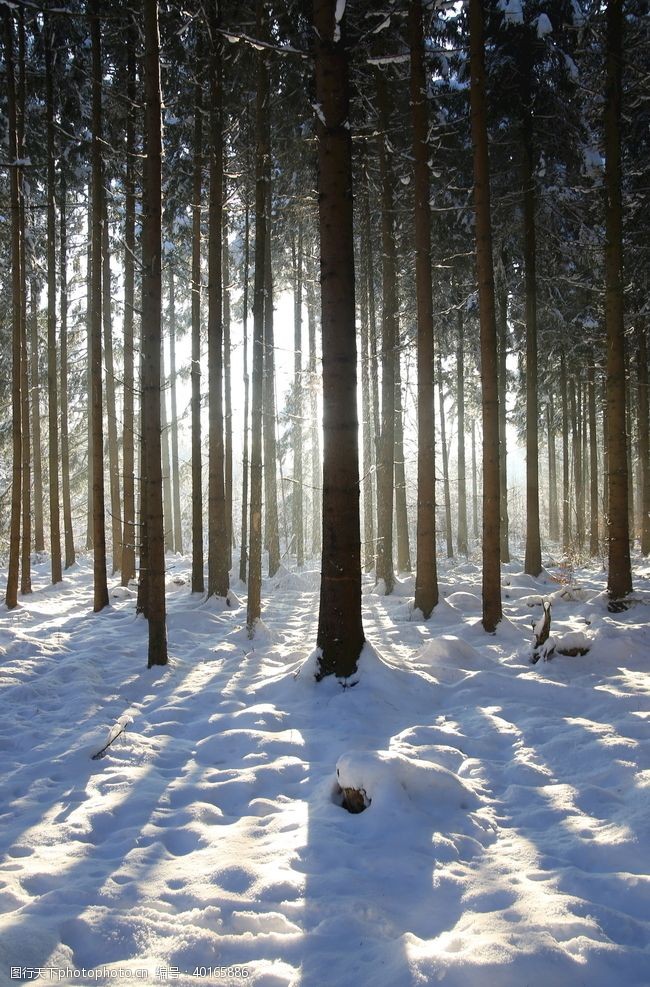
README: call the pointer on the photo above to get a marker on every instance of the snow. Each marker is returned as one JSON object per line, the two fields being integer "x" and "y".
{"x": 543, "y": 26}
{"x": 505, "y": 835}
{"x": 512, "y": 11}
{"x": 338, "y": 17}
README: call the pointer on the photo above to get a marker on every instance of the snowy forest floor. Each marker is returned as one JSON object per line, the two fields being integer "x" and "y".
{"x": 507, "y": 838}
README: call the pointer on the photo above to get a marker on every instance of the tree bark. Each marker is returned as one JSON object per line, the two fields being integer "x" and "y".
{"x": 128, "y": 435}
{"x": 490, "y": 402}
{"x": 593, "y": 468}
{"x": 198, "y": 584}
{"x": 11, "y": 596}
{"x": 566, "y": 481}
{"x": 643, "y": 440}
{"x": 243, "y": 555}
{"x": 272, "y": 532}
{"x": 426, "y": 575}
{"x": 63, "y": 310}
{"x": 89, "y": 372}
{"x": 367, "y": 431}
{"x": 111, "y": 415}
{"x": 474, "y": 484}
{"x": 462, "y": 540}
{"x": 26, "y": 552}
{"x": 168, "y": 509}
{"x": 316, "y": 469}
{"x": 99, "y": 534}
{"x": 340, "y": 631}
{"x": 175, "y": 473}
{"x": 401, "y": 512}
{"x": 152, "y": 339}
{"x": 502, "y": 333}
{"x": 445, "y": 462}
{"x": 386, "y": 461}
{"x": 227, "y": 390}
{"x": 262, "y": 153}
{"x": 39, "y": 533}
{"x": 553, "y": 515}
{"x": 298, "y": 519}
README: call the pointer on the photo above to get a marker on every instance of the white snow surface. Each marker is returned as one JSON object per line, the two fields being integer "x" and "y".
{"x": 506, "y": 836}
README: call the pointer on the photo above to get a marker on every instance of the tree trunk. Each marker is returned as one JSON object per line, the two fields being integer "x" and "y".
{"x": 272, "y": 533}
{"x": 340, "y": 631}
{"x": 262, "y": 177}
{"x": 39, "y": 533}
{"x": 243, "y": 555}
{"x": 218, "y": 548}
{"x": 168, "y": 509}
{"x": 566, "y": 481}
{"x": 574, "y": 397}
{"x": 389, "y": 329}
{"x": 314, "y": 379}
{"x": 619, "y": 580}
{"x": 533, "y": 556}
{"x": 198, "y": 585}
{"x": 426, "y": 576}
{"x": 176, "y": 486}
{"x": 65, "y": 447}
{"x": 298, "y": 521}
{"x": 401, "y": 512}
{"x": 111, "y": 415}
{"x": 502, "y": 332}
{"x": 99, "y": 534}
{"x": 593, "y": 468}
{"x": 367, "y": 431}
{"x": 445, "y": 462}
{"x": 26, "y": 545}
{"x": 642, "y": 430}
{"x": 463, "y": 547}
{"x": 128, "y": 435}
{"x": 553, "y": 516}
{"x": 90, "y": 472}
{"x": 227, "y": 388}
{"x": 474, "y": 484}
{"x": 490, "y": 401}
{"x": 152, "y": 339}
{"x": 11, "y": 596}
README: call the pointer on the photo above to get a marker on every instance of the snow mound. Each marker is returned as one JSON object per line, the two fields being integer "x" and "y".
{"x": 447, "y": 647}
{"x": 392, "y": 781}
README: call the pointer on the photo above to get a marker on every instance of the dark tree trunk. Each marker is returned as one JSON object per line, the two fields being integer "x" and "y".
{"x": 89, "y": 372}
{"x": 175, "y": 475}
{"x": 298, "y": 521}
{"x": 502, "y": 333}
{"x": 39, "y": 533}
{"x": 490, "y": 402}
{"x": 198, "y": 585}
{"x": 593, "y": 469}
{"x": 474, "y": 484}
{"x": 111, "y": 416}
{"x": 578, "y": 486}
{"x": 227, "y": 389}
{"x": 243, "y": 555}
{"x": 401, "y": 512}
{"x": 262, "y": 153}
{"x": 218, "y": 548}
{"x": 152, "y": 339}
{"x": 340, "y": 630}
{"x": 426, "y": 576}
{"x": 385, "y": 464}
{"x": 533, "y": 557}
{"x": 11, "y": 596}
{"x": 99, "y": 533}
{"x": 445, "y": 462}
{"x": 272, "y": 532}
{"x": 128, "y": 437}
{"x": 644, "y": 443}
{"x": 65, "y": 447}
{"x": 26, "y": 544}
{"x": 316, "y": 472}
{"x": 462, "y": 539}
{"x": 619, "y": 580}
{"x": 367, "y": 431}
{"x": 566, "y": 481}
{"x": 553, "y": 516}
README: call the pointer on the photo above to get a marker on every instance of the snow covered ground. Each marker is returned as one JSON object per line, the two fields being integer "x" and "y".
{"x": 507, "y": 837}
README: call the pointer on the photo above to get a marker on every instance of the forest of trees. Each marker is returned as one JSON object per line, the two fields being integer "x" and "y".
{"x": 429, "y": 220}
